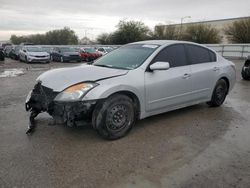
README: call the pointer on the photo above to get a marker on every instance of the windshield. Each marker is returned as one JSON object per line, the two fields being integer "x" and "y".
{"x": 90, "y": 50}
{"x": 127, "y": 57}
{"x": 34, "y": 49}
{"x": 108, "y": 49}
{"x": 66, "y": 49}
{"x": 46, "y": 49}
{"x": 17, "y": 48}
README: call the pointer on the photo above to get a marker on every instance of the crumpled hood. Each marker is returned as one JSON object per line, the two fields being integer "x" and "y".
{"x": 38, "y": 53}
{"x": 60, "y": 79}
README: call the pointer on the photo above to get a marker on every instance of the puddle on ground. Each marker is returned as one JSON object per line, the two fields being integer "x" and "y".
{"x": 11, "y": 73}
{"x": 38, "y": 68}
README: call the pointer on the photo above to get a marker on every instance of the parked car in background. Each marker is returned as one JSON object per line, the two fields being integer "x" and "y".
{"x": 31, "y": 54}
{"x": 245, "y": 73}
{"x": 7, "y": 50}
{"x": 47, "y": 49}
{"x": 26, "y": 44}
{"x": 89, "y": 54}
{"x": 133, "y": 82}
{"x": 104, "y": 50}
{"x": 4, "y": 44}
{"x": 14, "y": 54}
{"x": 65, "y": 54}
{"x": 2, "y": 56}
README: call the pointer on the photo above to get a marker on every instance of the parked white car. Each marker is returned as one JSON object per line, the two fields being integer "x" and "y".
{"x": 136, "y": 81}
{"x": 31, "y": 54}
{"x": 104, "y": 50}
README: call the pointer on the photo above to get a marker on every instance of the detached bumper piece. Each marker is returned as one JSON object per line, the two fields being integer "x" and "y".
{"x": 41, "y": 99}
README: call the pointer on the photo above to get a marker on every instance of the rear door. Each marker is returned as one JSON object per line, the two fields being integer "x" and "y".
{"x": 172, "y": 87}
{"x": 205, "y": 70}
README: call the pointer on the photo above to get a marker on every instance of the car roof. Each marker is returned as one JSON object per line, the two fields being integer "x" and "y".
{"x": 164, "y": 42}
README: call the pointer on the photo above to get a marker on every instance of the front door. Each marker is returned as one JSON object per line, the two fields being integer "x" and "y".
{"x": 172, "y": 87}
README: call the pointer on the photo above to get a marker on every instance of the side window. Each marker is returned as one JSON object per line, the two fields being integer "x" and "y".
{"x": 212, "y": 56}
{"x": 198, "y": 54}
{"x": 175, "y": 55}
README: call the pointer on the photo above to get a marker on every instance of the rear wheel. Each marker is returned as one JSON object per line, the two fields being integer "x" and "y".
{"x": 115, "y": 117}
{"x": 219, "y": 93}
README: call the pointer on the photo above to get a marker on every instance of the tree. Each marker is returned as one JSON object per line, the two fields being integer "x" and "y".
{"x": 238, "y": 31}
{"x": 168, "y": 32}
{"x": 201, "y": 33}
{"x": 64, "y": 36}
{"x": 126, "y": 32}
{"x": 104, "y": 38}
{"x": 130, "y": 31}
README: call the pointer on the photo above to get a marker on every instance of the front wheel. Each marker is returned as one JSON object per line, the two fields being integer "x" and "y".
{"x": 115, "y": 117}
{"x": 26, "y": 59}
{"x": 245, "y": 73}
{"x": 219, "y": 93}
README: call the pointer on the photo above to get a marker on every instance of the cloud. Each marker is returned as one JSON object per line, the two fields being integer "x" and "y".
{"x": 96, "y": 16}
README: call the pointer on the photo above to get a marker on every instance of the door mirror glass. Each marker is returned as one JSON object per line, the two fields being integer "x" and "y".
{"x": 159, "y": 65}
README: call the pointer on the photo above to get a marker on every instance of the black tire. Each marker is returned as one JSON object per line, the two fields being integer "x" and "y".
{"x": 51, "y": 58}
{"x": 26, "y": 59}
{"x": 244, "y": 74}
{"x": 115, "y": 117}
{"x": 219, "y": 93}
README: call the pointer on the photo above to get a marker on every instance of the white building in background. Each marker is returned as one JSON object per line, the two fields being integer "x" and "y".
{"x": 218, "y": 24}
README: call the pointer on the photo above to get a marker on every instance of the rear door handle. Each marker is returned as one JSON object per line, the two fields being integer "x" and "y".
{"x": 186, "y": 75}
{"x": 216, "y": 68}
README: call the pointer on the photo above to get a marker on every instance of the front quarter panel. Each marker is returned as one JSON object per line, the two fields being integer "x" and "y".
{"x": 133, "y": 82}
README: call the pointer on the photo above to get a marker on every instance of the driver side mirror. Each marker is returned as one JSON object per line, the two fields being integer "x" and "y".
{"x": 159, "y": 65}
{"x": 24, "y": 51}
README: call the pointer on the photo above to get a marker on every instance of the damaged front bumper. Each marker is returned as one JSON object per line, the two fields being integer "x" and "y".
{"x": 41, "y": 99}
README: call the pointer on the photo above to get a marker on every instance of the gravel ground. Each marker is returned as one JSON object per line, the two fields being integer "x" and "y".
{"x": 196, "y": 146}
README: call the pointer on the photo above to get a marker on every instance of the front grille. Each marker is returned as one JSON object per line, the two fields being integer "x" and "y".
{"x": 74, "y": 55}
{"x": 44, "y": 96}
{"x": 40, "y": 56}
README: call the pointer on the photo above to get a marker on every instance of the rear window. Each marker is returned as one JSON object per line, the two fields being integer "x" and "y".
{"x": 198, "y": 54}
{"x": 212, "y": 56}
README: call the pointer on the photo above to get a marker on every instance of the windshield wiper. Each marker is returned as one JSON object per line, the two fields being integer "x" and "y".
{"x": 112, "y": 67}
{"x": 109, "y": 66}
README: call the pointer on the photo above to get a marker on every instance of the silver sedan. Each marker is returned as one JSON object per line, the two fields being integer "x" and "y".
{"x": 133, "y": 82}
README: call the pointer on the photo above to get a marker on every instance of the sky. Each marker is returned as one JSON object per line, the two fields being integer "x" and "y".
{"x": 92, "y": 17}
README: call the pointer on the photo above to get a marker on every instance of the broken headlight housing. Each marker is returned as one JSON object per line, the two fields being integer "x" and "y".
{"x": 75, "y": 92}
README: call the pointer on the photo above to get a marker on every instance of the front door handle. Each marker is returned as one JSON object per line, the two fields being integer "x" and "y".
{"x": 186, "y": 75}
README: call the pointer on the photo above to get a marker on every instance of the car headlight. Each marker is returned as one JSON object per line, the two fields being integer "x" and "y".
{"x": 75, "y": 92}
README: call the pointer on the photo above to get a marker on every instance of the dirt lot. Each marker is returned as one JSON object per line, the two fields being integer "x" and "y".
{"x": 196, "y": 146}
